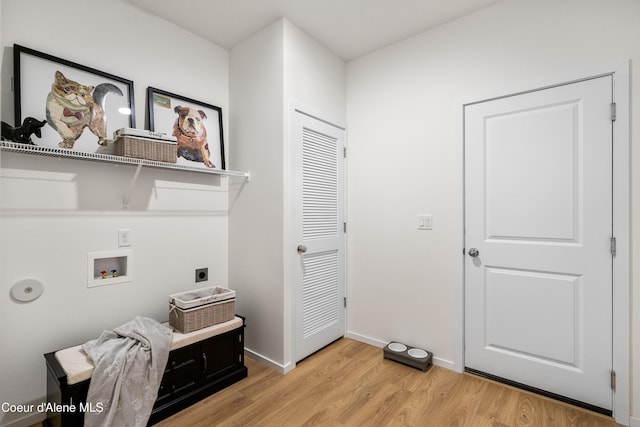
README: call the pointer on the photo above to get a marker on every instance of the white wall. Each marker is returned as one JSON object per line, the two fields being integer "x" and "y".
{"x": 1, "y": 63}
{"x": 277, "y": 65}
{"x": 314, "y": 76}
{"x": 54, "y": 211}
{"x": 403, "y": 132}
{"x": 256, "y": 269}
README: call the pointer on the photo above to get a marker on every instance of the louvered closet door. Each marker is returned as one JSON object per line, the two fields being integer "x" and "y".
{"x": 318, "y": 248}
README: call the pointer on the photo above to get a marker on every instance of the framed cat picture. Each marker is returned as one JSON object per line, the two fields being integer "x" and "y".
{"x": 82, "y": 106}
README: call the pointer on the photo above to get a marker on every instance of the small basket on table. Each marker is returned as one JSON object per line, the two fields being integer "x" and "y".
{"x": 201, "y": 308}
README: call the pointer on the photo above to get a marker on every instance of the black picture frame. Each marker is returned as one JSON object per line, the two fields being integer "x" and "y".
{"x": 163, "y": 107}
{"x": 108, "y": 101}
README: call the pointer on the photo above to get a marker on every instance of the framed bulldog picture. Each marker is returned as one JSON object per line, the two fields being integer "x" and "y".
{"x": 196, "y": 125}
{"x": 82, "y": 106}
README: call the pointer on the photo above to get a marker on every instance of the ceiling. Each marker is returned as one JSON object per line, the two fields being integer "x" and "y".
{"x": 349, "y": 28}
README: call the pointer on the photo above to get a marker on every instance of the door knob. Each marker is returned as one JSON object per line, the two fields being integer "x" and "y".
{"x": 302, "y": 249}
{"x": 473, "y": 252}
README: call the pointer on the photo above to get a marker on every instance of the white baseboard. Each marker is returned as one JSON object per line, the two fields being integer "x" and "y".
{"x": 281, "y": 369}
{"x": 27, "y": 421}
{"x": 365, "y": 339}
{"x": 284, "y": 369}
{"x": 443, "y": 363}
{"x": 634, "y": 422}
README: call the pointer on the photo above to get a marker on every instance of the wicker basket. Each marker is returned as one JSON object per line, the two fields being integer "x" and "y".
{"x": 200, "y": 317}
{"x": 144, "y": 148}
{"x": 202, "y": 296}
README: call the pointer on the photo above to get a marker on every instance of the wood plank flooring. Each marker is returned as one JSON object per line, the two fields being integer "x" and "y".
{"x": 350, "y": 384}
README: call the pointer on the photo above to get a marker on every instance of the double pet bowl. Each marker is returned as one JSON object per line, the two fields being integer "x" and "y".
{"x": 410, "y": 356}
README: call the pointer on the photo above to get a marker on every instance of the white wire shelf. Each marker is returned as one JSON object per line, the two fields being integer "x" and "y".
{"x": 109, "y": 158}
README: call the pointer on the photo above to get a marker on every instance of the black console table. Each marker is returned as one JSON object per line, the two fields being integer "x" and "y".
{"x": 194, "y": 371}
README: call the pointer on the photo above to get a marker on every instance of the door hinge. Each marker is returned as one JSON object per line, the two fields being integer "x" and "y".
{"x": 613, "y": 111}
{"x": 613, "y": 246}
{"x": 345, "y": 302}
{"x": 344, "y": 152}
{"x": 613, "y": 380}
{"x": 344, "y": 226}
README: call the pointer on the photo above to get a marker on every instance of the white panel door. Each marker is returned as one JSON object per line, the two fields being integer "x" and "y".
{"x": 319, "y": 240}
{"x": 538, "y": 224}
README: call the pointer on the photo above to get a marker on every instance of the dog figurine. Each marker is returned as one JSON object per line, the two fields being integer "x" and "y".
{"x": 22, "y": 134}
{"x": 191, "y": 133}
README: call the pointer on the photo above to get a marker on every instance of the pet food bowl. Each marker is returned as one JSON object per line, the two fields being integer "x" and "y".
{"x": 410, "y": 356}
{"x": 397, "y": 347}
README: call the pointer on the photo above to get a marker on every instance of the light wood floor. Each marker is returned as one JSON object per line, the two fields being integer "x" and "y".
{"x": 350, "y": 384}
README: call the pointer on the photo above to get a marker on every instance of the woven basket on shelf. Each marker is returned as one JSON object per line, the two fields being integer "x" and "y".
{"x": 148, "y": 149}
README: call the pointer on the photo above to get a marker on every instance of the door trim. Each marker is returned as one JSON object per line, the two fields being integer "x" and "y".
{"x": 621, "y": 228}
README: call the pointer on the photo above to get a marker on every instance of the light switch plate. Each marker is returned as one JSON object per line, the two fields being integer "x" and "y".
{"x": 425, "y": 222}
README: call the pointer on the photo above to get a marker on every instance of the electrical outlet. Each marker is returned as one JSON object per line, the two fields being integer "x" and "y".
{"x": 124, "y": 237}
{"x": 202, "y": 274}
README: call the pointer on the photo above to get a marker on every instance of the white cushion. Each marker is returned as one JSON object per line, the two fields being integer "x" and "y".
{"x": 78, "y": 367}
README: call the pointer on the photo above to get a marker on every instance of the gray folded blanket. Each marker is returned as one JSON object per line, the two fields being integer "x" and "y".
{"x": 128, "y": 366}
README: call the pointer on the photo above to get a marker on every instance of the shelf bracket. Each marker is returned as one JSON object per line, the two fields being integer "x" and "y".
{"x": 125, "y": 202}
